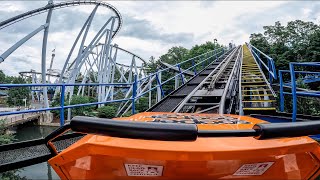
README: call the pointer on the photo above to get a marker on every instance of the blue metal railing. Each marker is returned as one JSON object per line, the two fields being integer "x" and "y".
{"x": 207, "y": 58}
{"x": 62, "y": 107}
{"x": 270, "y": 66}
{"x": 293, "y": 85}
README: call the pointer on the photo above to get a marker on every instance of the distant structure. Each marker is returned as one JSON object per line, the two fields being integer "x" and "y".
{"x": 96, "y": 60}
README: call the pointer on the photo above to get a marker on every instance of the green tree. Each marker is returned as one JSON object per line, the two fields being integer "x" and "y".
{"x": 17, "y": 94}
{"x": 176, "y": 55}
{"x": 81, "y": 111}
{"x": 142, "y": 104}
{"x": 2, "y": 77}
{"x": 107, "y": 112}
{"x": 298, "y": 41}
{"x": 258, "y": 40}
{"x": 4, "y": 137}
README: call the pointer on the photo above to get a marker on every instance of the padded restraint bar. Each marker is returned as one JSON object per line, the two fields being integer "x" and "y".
{"x": 135, "y": 130}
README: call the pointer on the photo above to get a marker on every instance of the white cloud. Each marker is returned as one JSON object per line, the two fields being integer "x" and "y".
{"x": 154, "y": 27}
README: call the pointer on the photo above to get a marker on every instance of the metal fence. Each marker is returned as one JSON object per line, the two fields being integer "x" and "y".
{"x": 292, "y": 84}
{"x": 136, "y": 90}
{"x": 269, "y": 66}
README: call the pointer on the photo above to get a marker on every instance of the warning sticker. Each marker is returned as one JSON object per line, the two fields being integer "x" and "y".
{"x": 255, "y": 169}
{"x": 143, "y": 170}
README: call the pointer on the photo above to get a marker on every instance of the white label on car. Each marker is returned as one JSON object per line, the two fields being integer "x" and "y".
{"x": 255, "y": 169}
{"x": 143, "y": 170}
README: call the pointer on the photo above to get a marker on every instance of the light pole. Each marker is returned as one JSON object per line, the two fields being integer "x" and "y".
{"x": 215, "y": 41}
{"x": 25, "y": 102}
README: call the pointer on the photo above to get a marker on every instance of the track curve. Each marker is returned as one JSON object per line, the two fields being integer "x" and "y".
{"x": 31, "y": 13}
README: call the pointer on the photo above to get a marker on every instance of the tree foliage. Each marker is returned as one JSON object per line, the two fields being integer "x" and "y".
{"x": 17, "y": 94}
{"x": 298, "y": 41}
{"x": 2, "y": 77}
{"x": 175, "y": 55}
{"x": 107, "y": 111}
{"x": 81, "y": 111}
{"x": 142, "y": 104}
{"x": 4, "y": 138}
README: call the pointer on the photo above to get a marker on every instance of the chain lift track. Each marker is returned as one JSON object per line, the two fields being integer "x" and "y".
{"x": 170, "y": 102}
{"x": 217, "y": 90}
{"x": 256, "y": 93}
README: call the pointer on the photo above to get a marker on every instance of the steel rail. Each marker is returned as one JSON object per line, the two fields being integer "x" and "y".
{"x": 240, "y": 88}
{"x": 129, "y": 52}
{"x": 223, "y": 97}
{"x": 186, "y": 99}
{"x": 221, "y": 70}
{"x": 263, "y": 75}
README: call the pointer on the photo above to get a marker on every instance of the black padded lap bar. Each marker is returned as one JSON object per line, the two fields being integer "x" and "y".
{"x": 227, "y": 133}
{"x": 277, "y": 130}
{"x": 135, "y": 130}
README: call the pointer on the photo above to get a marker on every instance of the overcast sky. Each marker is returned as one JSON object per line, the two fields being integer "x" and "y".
{"x": 149, "y": 28}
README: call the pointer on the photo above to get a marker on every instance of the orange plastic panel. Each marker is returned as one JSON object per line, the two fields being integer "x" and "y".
{"x": 103, "y": 157}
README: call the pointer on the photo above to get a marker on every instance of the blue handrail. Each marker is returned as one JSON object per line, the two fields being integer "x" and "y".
{"x": 270, "y": 67}
{"x": 293, "y": 86}
{"x": 62, "y": 107}
{"x": 214, "y": 52}
{"x": 206, "y": 57}
{"x": 179, "y": 74}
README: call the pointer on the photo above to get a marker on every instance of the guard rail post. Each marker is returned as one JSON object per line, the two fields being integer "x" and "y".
{"x": 62, "y": 105}
{"x": 281, "y": 92}
{"x": 134, "y": 94}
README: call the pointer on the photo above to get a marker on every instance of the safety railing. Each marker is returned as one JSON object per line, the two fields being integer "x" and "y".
{"x": 62, "y": 105}
{"x": 195, "y": 64}
{"x": 269, "y": 66}
{"x": 293, "y": 85}
{"x": 204, "y": 60}
{"x": 198, "y": 63}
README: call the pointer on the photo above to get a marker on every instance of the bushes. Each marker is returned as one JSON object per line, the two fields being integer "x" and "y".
{"x": 81, "y": 111}
{"x": 142, "y": 104}
{"x": 107, "y": 112}
{"x": 78, "y": 111}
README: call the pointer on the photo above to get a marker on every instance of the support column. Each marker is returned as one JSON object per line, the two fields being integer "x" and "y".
{"x": 43, "y": 57}
{"x": 159, "y": 92}
{"x": 176, "y": 81}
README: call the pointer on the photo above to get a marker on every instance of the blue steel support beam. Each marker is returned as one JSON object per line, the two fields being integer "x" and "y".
{"x": 294, "y": 88}
{"x": 22, "y": 41}
{"x": 273, "y": 68}
{"x": 73, "y": 46}
{"x": 293, "y": 91}
{"x": 134, "y": 94}
{"x": 44, "y": 56}
{"x": 281, "y": 91}
{"x": 63, "y": 88}
{"x": 181, "y": 75}
{"x": 194, "y": 67}
{"x": 160, "y": 85}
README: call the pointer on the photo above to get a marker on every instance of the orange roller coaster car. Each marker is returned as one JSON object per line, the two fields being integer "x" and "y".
{"x": 107, "y": 157}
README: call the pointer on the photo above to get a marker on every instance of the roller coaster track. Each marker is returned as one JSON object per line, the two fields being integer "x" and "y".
{"x": 34, "y": 12}
{"x": 256, "y": 93}
{"x": 233, "y": 80}
{"x": 210, "y": 95}
{"x": 175, "y": 98}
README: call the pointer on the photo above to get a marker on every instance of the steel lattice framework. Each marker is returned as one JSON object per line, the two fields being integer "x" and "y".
{"x": 96, "y": 65}
{"x": 94, "y": 62}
